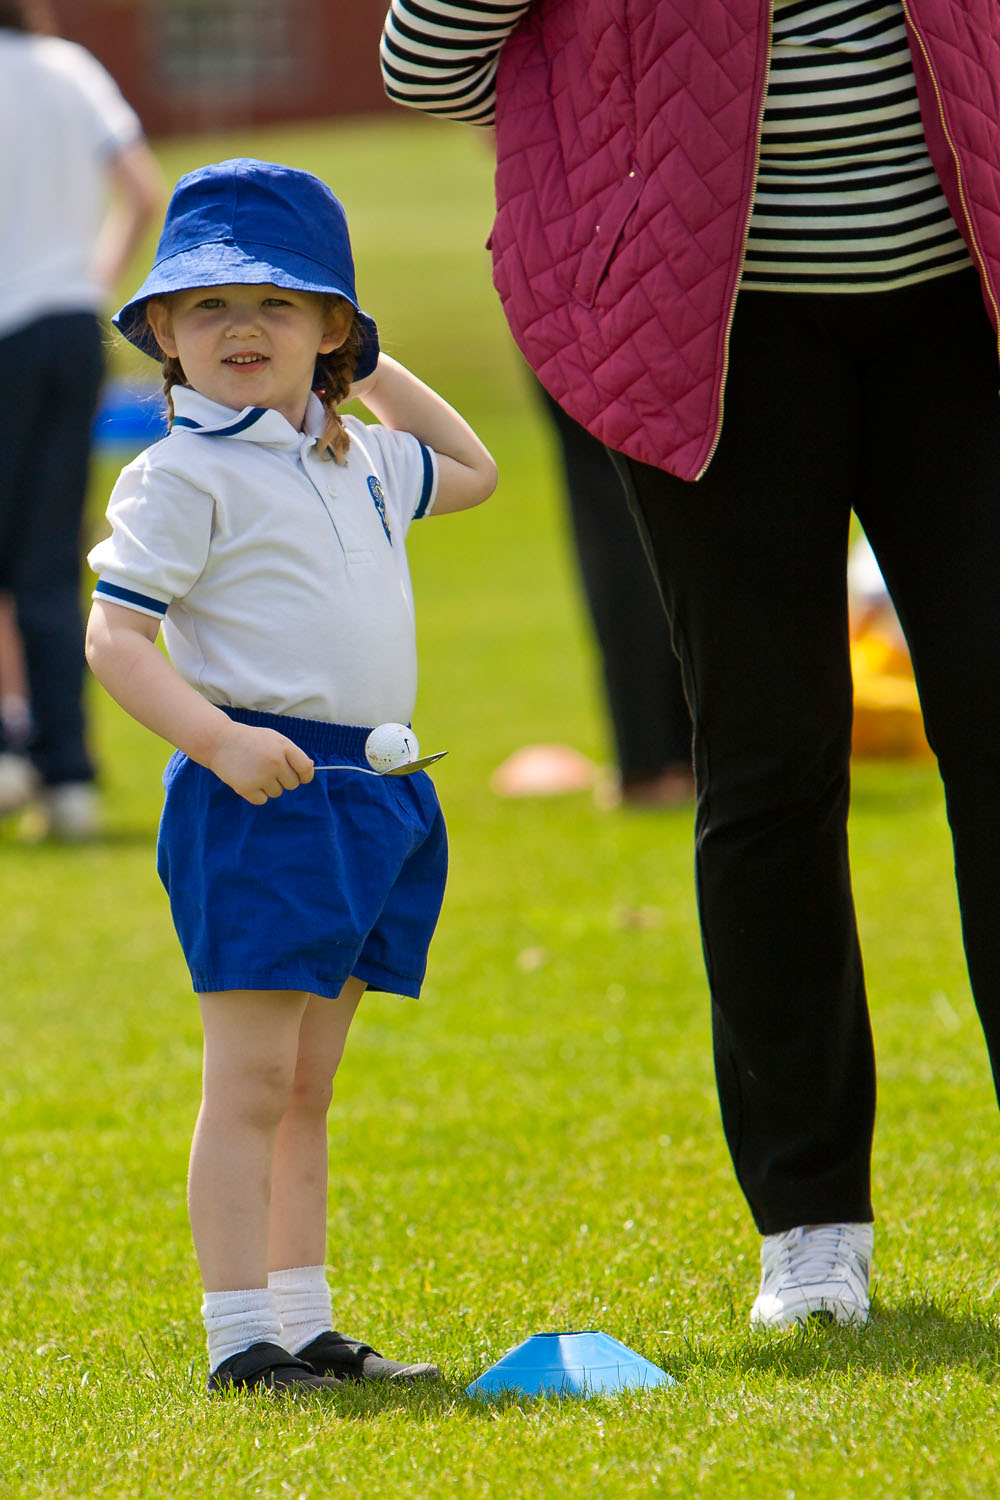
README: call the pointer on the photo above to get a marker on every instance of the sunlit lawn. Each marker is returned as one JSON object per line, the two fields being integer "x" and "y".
{"x": 534, "y": 1144}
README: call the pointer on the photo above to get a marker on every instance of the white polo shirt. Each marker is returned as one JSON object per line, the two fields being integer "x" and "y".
{"x": 280, "y": 576}
{"x": 62, "y": 123}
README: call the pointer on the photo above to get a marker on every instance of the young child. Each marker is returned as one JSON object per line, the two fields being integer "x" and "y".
{"x": 266, "y": 533}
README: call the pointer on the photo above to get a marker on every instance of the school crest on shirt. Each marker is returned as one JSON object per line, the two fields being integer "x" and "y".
{"x": 379, "y": 498}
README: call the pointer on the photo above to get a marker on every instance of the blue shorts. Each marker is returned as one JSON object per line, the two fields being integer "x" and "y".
{"x": 342, "y": 877}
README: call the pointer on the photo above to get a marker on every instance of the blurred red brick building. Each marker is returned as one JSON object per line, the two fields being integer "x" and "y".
{"x": 190, "y": 65}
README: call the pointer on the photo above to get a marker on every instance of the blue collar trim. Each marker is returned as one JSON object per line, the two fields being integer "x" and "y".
{"x": 253, "y": 415}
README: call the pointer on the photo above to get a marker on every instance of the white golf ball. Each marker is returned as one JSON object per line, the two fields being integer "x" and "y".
{"x": 390, "y": 746}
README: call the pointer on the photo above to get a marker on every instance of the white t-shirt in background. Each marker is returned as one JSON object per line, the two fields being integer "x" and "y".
{"x": 62, "y": 122}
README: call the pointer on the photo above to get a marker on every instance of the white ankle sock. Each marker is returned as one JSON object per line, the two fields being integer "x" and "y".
{"x": 235, "y": 1320}
{"x": 304, "y": 1305}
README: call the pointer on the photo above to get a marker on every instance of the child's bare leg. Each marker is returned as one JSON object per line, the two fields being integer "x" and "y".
{"x": 299, "y": 1181}
{"x": 251, "y": 1047}
{"x": 298, "y": 1208}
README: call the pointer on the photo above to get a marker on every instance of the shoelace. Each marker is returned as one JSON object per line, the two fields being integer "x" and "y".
{"x": 812, "y": 1254}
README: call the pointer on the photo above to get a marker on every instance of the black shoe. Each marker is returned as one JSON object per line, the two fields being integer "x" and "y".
{"x": 332, "y": 1354}
{"x": 267, "y": 1367}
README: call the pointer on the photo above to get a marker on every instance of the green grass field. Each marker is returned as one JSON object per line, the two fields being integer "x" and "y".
{"x": 533, "y": 1145}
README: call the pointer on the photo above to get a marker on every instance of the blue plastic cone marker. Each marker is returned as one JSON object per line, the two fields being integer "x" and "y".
{"x": 569, "y": 1364}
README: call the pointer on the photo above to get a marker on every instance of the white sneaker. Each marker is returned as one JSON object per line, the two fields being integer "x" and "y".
{"x": 18, "y": 781}
{"x": 818, "y": 1270}
{"x": 73, "y": 811}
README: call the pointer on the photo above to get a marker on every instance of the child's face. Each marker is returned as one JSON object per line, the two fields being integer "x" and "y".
{"x": 249, "y": 345}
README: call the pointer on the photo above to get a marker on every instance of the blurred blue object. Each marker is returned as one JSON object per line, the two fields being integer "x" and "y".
{"x": 569, "y": 1364}
{"x": 129, "y": 417}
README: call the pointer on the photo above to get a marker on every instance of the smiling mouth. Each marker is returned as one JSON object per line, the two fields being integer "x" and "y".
{"x": 244, "y": 359}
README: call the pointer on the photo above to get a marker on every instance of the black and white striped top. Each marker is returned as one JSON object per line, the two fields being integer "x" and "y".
{"x": 846, "y": 196}
{"x": 441, "y": 57}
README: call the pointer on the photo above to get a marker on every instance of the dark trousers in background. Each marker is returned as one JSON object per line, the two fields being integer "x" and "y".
{"x": 649, "y": 715}
{"x": 887, "y": 403}
{"x": 50, "y": 374}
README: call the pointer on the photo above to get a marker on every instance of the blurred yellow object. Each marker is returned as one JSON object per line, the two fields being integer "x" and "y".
{"x": 887, "y": 721}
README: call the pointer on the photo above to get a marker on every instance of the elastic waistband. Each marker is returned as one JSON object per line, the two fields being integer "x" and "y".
{"x": 318, "y": 739}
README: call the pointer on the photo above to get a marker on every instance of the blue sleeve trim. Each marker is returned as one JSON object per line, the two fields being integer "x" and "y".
{"x": 129, "y": 596}
{"x": 427, "y": 487}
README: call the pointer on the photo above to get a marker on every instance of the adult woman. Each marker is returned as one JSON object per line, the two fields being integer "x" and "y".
{"x": 797, "y": 208}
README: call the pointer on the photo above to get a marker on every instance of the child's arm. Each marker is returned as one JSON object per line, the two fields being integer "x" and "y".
{"x": 467, "y": 474}
{"x": 122, "y": 652}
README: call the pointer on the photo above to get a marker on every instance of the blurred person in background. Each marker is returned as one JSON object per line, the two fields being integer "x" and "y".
{"x": 643, "y": 688}
{"x": 644, "y": 693}
{"x": 78, "y": 188}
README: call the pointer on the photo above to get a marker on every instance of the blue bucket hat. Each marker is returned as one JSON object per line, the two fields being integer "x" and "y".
{"x": 250, "y": 223}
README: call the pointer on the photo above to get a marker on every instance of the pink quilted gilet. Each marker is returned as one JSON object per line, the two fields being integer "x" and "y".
{"x": 627, "y": 135}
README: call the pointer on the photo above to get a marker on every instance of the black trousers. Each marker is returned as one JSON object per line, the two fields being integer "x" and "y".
{"x": 886, "y": 403}
{"x": 649, "y": 715}
{"x": 50, "y": 374}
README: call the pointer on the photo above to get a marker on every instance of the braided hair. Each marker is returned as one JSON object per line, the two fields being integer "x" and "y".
{"x": 336, "y": 371}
